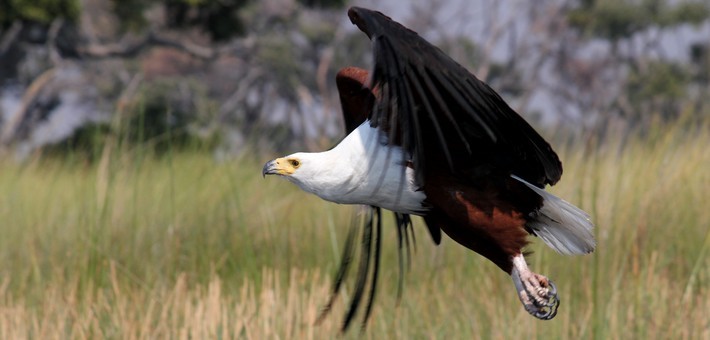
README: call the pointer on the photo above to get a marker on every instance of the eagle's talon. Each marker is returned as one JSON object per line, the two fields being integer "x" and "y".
{"x": 537, "y": 293}
{"x": 543, "y": 311}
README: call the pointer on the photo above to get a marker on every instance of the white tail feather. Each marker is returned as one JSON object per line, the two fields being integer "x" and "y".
{"x": 564, "y": 227}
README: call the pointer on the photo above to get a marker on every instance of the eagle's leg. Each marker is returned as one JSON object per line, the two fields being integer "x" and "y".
{"x": 537, "y": 293}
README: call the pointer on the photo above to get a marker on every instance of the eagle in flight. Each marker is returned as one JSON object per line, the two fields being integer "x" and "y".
{"x": 425, "y": 137}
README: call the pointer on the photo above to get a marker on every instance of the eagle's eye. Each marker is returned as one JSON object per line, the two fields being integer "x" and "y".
{"x": 294, "y": 163}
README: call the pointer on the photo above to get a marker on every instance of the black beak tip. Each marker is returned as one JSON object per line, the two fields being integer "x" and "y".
{"x": 266, "y": 170}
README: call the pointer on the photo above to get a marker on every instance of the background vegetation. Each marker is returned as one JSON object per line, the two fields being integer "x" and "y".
{"x": 135, "y": 246}
{"x": 132, "y": 134}
{"x": 233, "y": 72}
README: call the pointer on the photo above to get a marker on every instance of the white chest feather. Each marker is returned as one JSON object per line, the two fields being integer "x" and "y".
{"x": 362, "y": 169}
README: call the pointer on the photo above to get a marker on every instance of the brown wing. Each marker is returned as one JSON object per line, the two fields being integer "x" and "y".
{"x": 356, "y": 98}
{"x": 443, "y": 115}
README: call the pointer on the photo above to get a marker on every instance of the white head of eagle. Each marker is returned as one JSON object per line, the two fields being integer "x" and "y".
{"x": 362, "y": 169}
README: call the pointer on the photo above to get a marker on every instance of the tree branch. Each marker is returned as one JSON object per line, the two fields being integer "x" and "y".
{"x": 134, "y": 46}
{"x": 10, "y": 36}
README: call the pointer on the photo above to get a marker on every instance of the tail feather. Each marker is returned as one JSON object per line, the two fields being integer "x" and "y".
{"x": 562, "y": 226}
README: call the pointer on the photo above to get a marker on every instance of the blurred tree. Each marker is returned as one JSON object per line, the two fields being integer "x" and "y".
{"x": 323, "y": 3}
{"x": 650, "y": 85}
{"x": 219, "y": 19}
{"x": 39, "y": 11}
{"x": 268, "y": 66}
{"x": 268, "y": 62}
{"x": 621, "y": 19}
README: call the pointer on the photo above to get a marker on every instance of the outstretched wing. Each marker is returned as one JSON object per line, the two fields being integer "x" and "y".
{"x": 356, "y": 99}
{"x": 442, "y": 114}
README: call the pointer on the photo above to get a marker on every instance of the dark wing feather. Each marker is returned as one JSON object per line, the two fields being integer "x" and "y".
{"x": 443, "y": 114}
{"x": 372, "y": 231}
{"x": 355, "y": 98}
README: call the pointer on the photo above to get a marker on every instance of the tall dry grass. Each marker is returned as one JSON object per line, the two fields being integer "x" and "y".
{"x": 182, "y": 246}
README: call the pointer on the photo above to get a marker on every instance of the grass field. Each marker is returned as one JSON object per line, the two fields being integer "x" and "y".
{"x": 184, "y": 247}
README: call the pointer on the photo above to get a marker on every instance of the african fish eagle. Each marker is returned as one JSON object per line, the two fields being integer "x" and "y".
{"x": 425, "y": 137}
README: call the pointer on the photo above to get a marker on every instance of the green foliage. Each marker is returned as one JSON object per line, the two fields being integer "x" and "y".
{"x": 620, "y": 19}
{"x": 652, "y": 87}
{"x": 130, "y": 13}
{"x": 278, "y": 56}
{"x": 609, "y": 19}
{"x": 219, "y": 19}
{"x": 158, "y": 120}
{"x": 319, "y": 33}
{"x": 324, "y": 3}
{"x": 164, "y": 118}
{"x": 41, "y": 11}
{"x": 660, "y": 80}
{"x": 685, "y": 12}
{"x": 86, "y": 143}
